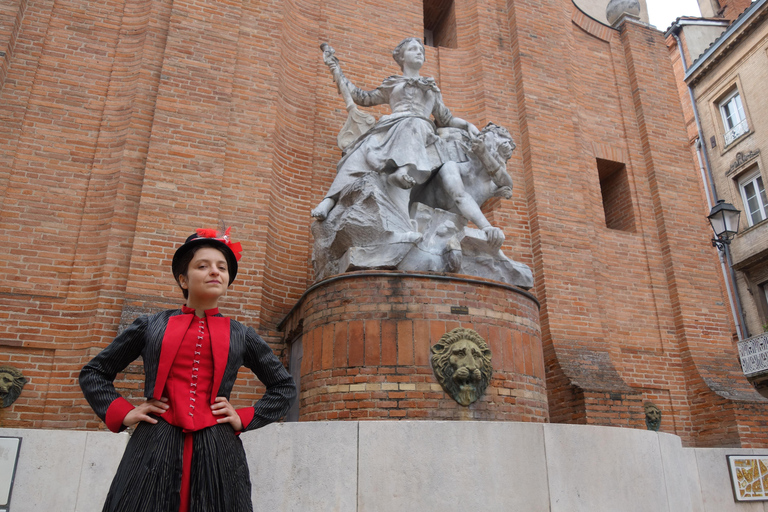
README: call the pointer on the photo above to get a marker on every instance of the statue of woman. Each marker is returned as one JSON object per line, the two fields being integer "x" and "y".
{"x": 402, "y": 145}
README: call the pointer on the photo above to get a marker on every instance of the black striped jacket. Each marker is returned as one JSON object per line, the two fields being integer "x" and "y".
{"x": 145, "y": 338}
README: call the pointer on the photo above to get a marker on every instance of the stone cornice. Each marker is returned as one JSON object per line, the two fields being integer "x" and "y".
{"x": 728, "y": 41}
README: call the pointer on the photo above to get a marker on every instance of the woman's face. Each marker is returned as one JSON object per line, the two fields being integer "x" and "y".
{"x": 413, "y": 55}
{"x": 207, "y": 275}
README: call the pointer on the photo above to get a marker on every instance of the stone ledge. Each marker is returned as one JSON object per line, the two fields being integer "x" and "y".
{"x": 402, "y": 465}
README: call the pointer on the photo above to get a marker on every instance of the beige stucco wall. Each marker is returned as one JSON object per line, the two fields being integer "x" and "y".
{"x": 709, "y": 8}
{"x": 596, "y": 9}
{"x": 745, "y": 67}
{"x": 699, "y": 37}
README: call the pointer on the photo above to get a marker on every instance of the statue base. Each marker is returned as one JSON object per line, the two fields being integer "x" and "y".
{"x": 365, "y": 339}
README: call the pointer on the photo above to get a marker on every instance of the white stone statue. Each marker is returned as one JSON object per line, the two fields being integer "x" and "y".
{"x": 407, "y": 185}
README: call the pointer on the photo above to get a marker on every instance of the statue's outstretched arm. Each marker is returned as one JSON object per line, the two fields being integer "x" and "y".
{"x": 443, "y": 117}
{"x": 366, "y": 98}
{"x": 357, "y": 122}
{"x": 349, "y": 91}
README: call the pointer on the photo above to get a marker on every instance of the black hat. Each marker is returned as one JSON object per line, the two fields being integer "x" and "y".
{"x": 212, "y": 238}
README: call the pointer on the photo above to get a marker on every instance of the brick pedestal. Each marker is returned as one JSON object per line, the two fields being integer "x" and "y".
{"x": 366, "y": 339}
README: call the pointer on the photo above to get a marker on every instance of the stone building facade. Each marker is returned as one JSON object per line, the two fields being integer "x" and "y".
{"x": 727, "y": 65}
{"x": 127, "y": 124}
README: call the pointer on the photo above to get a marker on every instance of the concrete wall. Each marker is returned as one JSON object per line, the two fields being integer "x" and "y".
{"x": 425, "y": 466}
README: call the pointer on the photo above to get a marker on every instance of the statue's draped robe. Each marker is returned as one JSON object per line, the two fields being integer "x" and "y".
{"x": 405, "y": 137}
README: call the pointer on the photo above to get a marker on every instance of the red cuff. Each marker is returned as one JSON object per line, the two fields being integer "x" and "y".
{"x": 246, "y": 415}
{"x": 116, "y": 413}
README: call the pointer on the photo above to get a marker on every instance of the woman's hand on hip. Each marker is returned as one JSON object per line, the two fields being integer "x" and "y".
{"x": 143, "y": 411}
{"x": 221, "y": 407}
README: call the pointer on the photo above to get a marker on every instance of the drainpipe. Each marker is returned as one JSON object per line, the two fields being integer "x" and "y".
{"x": 725, "y": 255}
{"x": 702, "y": 171}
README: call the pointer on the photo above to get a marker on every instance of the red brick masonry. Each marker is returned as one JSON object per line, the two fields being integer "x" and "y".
{"x": 126, "y": 124}
{"x": 366, "y": 340}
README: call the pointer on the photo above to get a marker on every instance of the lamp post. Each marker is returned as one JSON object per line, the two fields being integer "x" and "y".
{"x": 724, "y": 219}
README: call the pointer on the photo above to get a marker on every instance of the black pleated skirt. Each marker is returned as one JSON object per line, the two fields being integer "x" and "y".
{"x": 149, "y": 476}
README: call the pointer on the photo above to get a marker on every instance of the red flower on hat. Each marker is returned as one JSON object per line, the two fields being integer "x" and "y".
{"x": 236, "y": 248}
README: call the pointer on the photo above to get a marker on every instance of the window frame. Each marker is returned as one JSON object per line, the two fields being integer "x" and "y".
{"x": 763, "y": 287}
{"x": 734, "y": 132}
{"x": 745, "y": 179}
{"x": 759, "y": 290}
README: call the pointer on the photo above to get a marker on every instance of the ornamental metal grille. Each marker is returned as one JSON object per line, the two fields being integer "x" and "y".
{"x": 753, "y": 353}
{"x": 736, "y": 132}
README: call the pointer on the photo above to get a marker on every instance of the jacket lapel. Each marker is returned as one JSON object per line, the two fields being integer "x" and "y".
{"x": 174, "y": 334}
{"x": 220, "y": 337}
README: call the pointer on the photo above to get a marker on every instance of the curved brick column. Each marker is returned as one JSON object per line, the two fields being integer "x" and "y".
{"x": 366, "y": 339}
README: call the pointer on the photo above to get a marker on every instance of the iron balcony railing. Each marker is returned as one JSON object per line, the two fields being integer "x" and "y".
{"x": 736, "y": 132}
{"x": 753, "y": 353}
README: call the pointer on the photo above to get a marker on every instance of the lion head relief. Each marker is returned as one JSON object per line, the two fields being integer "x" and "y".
{"x": 11, "y": 384}
{"x": 652, "y": 416}
{"x": 490, "y": 152}
{"x": 461, "y": 361}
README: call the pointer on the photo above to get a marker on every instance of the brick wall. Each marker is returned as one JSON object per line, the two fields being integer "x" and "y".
{"x": 733, "y": 8}
{"x": 366, "y": 343}
{"x": 126, "y": 125}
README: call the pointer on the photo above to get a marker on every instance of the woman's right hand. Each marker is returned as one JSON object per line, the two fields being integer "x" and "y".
{"x": 329, "y": 56}
{"x": 143, "y": 411}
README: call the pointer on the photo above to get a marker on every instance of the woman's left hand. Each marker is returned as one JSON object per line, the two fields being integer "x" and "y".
{"x": 473, "y": 131}
{"x": 222, "y": 407}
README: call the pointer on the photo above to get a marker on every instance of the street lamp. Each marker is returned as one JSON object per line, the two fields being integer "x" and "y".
{"x": 724, "y": 219}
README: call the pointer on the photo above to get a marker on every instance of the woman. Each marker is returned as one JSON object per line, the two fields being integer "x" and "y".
{"x": 185, "y": 454}
{"x": 402, "y": 144}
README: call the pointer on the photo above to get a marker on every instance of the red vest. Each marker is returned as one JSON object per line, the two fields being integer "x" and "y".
{"x": 190, "y": 379}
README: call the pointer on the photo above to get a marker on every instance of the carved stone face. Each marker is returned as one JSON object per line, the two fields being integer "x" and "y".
{"x": 505, "y": 149}
{"x": 11, "y": 384}
{"x": 652, "y": 417}
{"x": 407, "y": 50}
{"x": 413, "y": 54}
{"x": 6, "y": 381}
{"x": 461, "y": 361}
{"x": 498, "y": 140}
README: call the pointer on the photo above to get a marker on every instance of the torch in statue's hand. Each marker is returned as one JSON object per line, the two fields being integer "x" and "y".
{"x": 329, "y": 57}
{"x": 357, "y": 122}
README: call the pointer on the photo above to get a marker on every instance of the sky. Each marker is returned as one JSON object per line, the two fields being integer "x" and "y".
{"x": 663, "y": 12}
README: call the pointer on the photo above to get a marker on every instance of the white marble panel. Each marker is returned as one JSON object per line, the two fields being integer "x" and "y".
{"x": 438, "y": 466}
{"x": 604, "y": 469}
{"x": 681, "y": 475}
{"x": 419, "y": 466}
{"x": 716, "y": 488}
{"x": 303, "y": 466}
{"x": 9, "y": 450}
{"x": 103, "y": 451}
{"x": 48, "y": 474}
